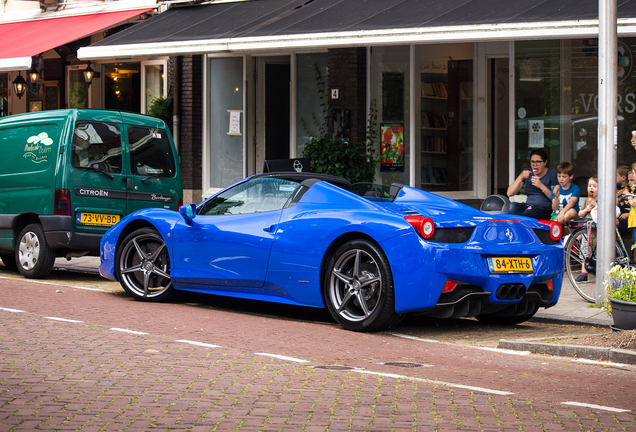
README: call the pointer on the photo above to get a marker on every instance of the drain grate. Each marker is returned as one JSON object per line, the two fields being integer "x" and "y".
{"x": 404, "y": 364}
{"x": 334, "y": 367}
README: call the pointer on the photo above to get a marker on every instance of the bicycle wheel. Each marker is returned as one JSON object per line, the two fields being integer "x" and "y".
{"x": 580, "y": 262}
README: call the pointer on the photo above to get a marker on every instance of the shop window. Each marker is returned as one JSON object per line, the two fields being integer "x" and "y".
{"x": 122, "y": 87}
{"x": 445, "y": 94}
{"x": 556, "y": 102}
{"x": 390, "y": 90}
{"x": 225, "y": 117}
{"x": 311, "y": 70}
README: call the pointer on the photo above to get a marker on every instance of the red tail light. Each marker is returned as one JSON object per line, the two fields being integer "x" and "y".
{"x": 179, "y": 203}
{"x": 62, "y": 202}
{"x": 551, "y": 285}
{"x": 555, "y": 229}
{"x": 424, "y": 226}
{"x": 449, "y": 286}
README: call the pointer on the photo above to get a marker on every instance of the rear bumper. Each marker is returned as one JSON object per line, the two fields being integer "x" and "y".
{"x": 61, "y": 235}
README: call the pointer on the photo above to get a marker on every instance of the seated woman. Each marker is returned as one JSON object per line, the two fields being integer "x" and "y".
{"x": 538, "y": 182}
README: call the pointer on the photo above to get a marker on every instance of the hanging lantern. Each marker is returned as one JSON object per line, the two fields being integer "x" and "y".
{"x": 19, "y": 85}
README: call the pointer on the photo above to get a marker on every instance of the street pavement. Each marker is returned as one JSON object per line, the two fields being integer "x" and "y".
{"x": 76, "y": 359}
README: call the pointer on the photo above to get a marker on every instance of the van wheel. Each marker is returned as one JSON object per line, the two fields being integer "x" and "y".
{"x": 142, "y": 266}
{"x": 8, "y": 259}
{"x": 35, "y": 257}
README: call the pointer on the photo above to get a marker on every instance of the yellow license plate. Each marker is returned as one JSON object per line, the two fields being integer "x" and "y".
{"x": 97, "y": 219}
{"x": 510, "y": 265}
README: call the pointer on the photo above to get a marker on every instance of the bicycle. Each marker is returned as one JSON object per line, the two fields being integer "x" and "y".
{"x": 580, "y": 256}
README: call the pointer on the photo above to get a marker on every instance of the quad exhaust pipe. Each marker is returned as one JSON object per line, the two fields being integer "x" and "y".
{"x": 511, "y": 291}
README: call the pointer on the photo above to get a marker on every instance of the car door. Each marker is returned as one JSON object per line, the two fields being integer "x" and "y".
{"x": 228, "y": 243}
{"x": 155, "y": 180}
{"x": 97, "y": 176}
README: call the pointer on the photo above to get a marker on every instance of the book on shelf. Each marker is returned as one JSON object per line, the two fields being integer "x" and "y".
{"x": 427, "y": 89}
{"x": 435, "y": 120}
{"x": 434, "y": 89}
{"x": 433, "y": 175}
{"x": 440, "y": 89}
{"x": 434, "y": 144}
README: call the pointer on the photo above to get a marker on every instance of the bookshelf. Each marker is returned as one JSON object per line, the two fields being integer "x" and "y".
{"x": 446, "y": 111}
{"x": 434, "y": 131}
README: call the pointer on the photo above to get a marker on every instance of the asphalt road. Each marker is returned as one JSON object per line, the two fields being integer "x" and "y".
{"x": 72, "y": 357}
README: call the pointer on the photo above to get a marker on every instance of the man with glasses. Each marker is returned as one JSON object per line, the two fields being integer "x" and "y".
{"x": 539, "y": 182}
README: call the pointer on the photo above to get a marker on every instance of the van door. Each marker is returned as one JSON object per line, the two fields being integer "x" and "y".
{"x": 155, "y": 180}
{"x": 97, "y": 177}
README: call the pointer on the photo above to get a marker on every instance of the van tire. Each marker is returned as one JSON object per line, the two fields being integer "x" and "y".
{"x": 35, "y": 257}
{"x": 8, "y": 259}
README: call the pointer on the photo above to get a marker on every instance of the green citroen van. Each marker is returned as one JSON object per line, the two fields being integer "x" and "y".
{"x": 66, "y": 176}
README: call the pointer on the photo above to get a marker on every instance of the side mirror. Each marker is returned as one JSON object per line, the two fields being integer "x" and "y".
{"x": 188, "y": 211}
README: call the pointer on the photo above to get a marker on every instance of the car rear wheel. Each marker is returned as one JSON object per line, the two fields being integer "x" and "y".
{"x": 143, "y": 266}
{"x": 8, "y": 259}
{"x": 35, "y": 257}
{"x": 358, "y": 287}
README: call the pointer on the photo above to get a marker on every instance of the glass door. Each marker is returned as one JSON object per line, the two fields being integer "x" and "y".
{"x": 154, "y": 82}
{"x": 226, "y": 122}
{"x": 77, "y": 94}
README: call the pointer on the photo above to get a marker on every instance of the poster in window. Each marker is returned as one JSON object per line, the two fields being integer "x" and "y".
{"x": 535, "y": 133}
{"x": 392, "y": 147}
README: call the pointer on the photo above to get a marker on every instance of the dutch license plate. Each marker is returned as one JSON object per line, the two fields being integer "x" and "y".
{"x": 510, "y": 265}
{"x": 97, "y": 219}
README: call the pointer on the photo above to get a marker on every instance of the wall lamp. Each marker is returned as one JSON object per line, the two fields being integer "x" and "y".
{"x": 89, "y": 73}
{"x": 33, "y": 75}
{"x": 19, "y": 85}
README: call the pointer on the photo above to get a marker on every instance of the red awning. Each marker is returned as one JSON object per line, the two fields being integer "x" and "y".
{"x": 20, "y": 41}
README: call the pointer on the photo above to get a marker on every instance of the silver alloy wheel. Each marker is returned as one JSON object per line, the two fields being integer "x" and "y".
{"x": 355, "y": 285}
{"x": 29, "y": 250}
{"x": 145, "y": 266}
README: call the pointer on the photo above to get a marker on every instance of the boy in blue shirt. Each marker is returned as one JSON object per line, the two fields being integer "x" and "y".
{"x": 565, "y": 193}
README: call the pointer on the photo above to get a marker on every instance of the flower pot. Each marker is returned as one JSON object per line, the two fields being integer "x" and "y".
{"x": 624, "y": 314}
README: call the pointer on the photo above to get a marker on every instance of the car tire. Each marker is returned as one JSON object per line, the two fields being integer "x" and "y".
{"x": 142, "y": 266}
{"x": 364, "y": 301}
{"x": 35, "y": 257}
{"x": 8, "y": 259}
{"x": 505, "y": 320}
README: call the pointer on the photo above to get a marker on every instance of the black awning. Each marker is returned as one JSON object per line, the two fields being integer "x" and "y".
{"x": 259, "y": 20}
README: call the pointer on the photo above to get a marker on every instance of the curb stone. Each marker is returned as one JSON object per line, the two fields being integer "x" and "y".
{"x": 616, "y": 355}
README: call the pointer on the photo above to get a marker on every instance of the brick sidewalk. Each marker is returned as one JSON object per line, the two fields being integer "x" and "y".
{"x": 69, "y": 376}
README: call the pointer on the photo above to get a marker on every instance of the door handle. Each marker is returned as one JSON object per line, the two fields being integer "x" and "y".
{"x": 270, "y": 228}
{"x": 129, "y": 183}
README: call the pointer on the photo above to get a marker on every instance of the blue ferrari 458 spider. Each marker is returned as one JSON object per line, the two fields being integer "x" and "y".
{"x": 369, "y": 257}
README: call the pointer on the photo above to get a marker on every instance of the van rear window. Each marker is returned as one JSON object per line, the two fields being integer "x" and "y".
{"x": 97, "y": 145}
{"x": 150, "y": 152}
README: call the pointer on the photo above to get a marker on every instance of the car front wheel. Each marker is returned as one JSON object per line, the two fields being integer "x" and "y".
{"x": 358, "y": 287}
{"x": 143, "y": 266}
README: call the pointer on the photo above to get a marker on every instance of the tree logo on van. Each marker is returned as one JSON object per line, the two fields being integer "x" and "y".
{"x": 38, "y": 148}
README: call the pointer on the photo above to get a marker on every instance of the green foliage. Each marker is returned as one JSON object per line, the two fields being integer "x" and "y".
{"x": 160, "y": 107}
{"x": 621, "y": 286}
{"x": 355, "y": 162}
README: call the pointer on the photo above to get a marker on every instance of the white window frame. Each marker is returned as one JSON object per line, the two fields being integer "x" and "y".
{"x": 206, "y": 190}
{"x": 164, "y": 63}
{"x": 79, "y": 67}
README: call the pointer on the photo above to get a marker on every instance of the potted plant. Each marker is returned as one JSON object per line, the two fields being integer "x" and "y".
{"x": 620, "y": 302}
